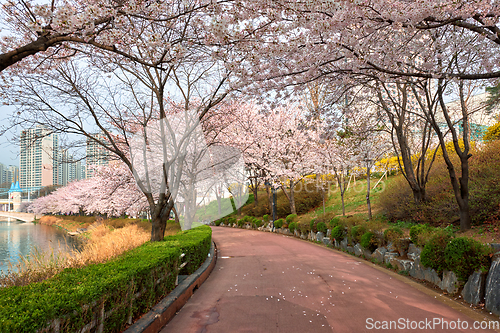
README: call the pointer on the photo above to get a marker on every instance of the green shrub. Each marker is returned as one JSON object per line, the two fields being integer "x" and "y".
{"x": 338, "y": 233}
{"x": 256, "y": 223}
{"x": 292, "y": 226}
{"x": 303, "y": 226}
{"x": 334, "y": 222}
{"x": 357, "y": 231}
{"x": 432, "y": 255}
{"x": 217, "y": 222}
{"x": 420, "y": 234}
{"x": 368, "y": 241}
{"x": 393, "y": 234}
{"x": 291, "y": 218}
{"x": 278, "y": 223}
{"x": 266, "y": 218}
{"x": 241, "y": 223}
{"x": 321, "y": 226}
{"x": 312, "y": 225}
{"x": 465, "y": 255}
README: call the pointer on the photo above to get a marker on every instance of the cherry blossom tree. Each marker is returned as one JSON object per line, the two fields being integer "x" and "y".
{"x": 132, "y": 104}
{"x": 296, "y": 43}
{"x": 37, "y": 33}
{"x": 286, "y": 146}
{"x": 111, "y": 191}
{"x": 339, "y": 158}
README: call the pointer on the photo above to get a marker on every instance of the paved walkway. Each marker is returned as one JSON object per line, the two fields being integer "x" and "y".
{"x": 272, "y": 283}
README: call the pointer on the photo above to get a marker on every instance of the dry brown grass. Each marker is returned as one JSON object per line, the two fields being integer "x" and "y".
{"x": 48, "y": 220}
{"x": 104, "y": 243}
{"x": 69, "y": 223}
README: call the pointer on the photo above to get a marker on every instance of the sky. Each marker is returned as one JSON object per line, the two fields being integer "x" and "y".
{"x": 9, "y": 152}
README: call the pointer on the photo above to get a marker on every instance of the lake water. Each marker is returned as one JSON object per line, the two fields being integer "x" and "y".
{"x": 18, "y": 238}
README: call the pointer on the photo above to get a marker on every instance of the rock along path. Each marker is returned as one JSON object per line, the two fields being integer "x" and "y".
{"x": 267, "y": 282}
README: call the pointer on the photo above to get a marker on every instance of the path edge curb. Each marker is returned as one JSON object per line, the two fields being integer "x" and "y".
{"x": 165, "y": 310}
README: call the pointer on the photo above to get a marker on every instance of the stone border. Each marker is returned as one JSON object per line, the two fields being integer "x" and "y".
{"x": 165, "y": 310}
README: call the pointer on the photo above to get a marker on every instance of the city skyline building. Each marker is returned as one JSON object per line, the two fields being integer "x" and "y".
{"x": 8, "y": 174}
{"x": 71, "y": 168}
{"x": 97, "y": 155}
{"x": 40, "y": 159}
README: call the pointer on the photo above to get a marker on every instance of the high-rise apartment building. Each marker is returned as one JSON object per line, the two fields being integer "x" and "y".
{"x": 71, "y": 170}
{"x": 12, "y": 174}
{"x": 3, "y": 173}
{"x": 97, "y": 155}
{"x": 40, "y": 158}
{"x": 8, "y": 174}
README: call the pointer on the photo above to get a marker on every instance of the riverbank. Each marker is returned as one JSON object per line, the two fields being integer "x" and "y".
{"x": 101, "y": 243}
{"x": 106, "y": 296}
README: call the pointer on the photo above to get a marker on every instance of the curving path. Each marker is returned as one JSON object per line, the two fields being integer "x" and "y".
{"x": 267, "y": 282}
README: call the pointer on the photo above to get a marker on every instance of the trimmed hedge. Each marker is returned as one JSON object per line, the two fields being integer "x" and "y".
{"x": 76, "y": 296}
{"x": 195, "y": 243}
{"x": 256, "y": 223}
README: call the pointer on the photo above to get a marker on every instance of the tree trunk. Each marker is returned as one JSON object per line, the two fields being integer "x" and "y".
{"x": 323, "y": 190}
{"x": 255, "y": 190}
{"x": 176, "y": 216}
{"x": 219, "y": 204}
{"x": 398, "y": 114}
{"x": 418, "y": 194}
{"x": 341, "y": 181}
{"x": 292, "y": 198}
{"x": 159, "y": 217}
{"x": 343, "y": 204}
{"x": 269, "y": 198}
{"x": 460, "y": 185}
{"x": 368, "y": 191}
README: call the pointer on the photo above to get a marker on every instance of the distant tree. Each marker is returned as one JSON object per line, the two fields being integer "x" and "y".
{"x": 493, "y": 96}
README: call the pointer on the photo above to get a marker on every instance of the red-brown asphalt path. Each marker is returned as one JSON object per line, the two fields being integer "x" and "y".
{"x": 267, "y": 282}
